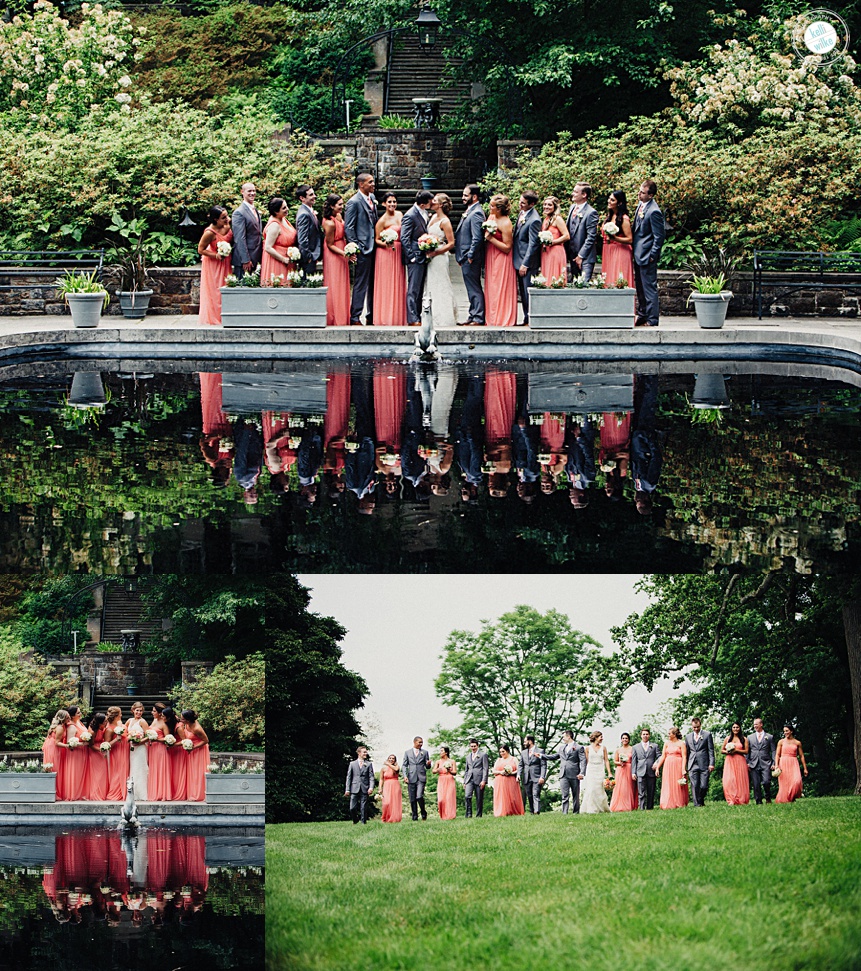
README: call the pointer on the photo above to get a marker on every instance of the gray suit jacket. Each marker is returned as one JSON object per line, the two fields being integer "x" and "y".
{"x": 649, "y": 235}
{"x": 469, "y": 236}
{"x": 761, "y": 754}
{"x": 642, "y": 763}
{"x": 571, "y": 764}
{"x": 360, "y": 778}
{"x": 527, "y": 248}
{"x": 360, "y": 223}
{"x": 247, "y": 236}
{"x": 310, "y": 236}
{"x": 415, "y": 769}
{"x": 413, "y": 225}
{"x": 584, "y": 234}
{"x": 702, "y": 753}
{"x": 477, "y": 768}
{"x": 532, "y": 767}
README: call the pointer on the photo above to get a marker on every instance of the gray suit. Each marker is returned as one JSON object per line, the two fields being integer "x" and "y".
{"x": 309, "y": 237}
{"x": 414, "y": 224}
{"x": 532, "y": 766}
{"x": 360, "y": 221}
{"x": 360, "y": 781}
{"x": 469, "y": 245}
{"x": 477, "y": 771}
{"x": 415, "y": 768}
{"x": 584, "y": 235}
{"x": 571, "y": 765}
{"x": 526, "y": 251}
{"x": 643, "y": 772}
{"x": 701, "y": 754}
{"x": 247, "y": 237}
{"x": 760, "y": 759}
{"x": 649, "y": 234}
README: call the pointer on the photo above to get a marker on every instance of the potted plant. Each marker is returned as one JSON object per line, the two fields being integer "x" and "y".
{"x": 429, "y": 181}
{"x": 85, "y": 295}
{"x": 27, "y": 781}
{"x": 250, "y": 303}
{"x": 128, "y": 268}
{"x": 710, "y": 287}
{"x": 132, "y": 689}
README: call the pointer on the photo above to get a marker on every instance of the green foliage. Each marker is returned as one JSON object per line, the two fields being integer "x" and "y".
{"x": 230, "y": 702}
{"x": 396, "y": 121}
{"x": 42, "y": 612}
{"x": 843, "y": 235}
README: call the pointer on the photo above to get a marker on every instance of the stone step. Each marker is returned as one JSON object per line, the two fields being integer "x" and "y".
{"x": 102, "y": 702}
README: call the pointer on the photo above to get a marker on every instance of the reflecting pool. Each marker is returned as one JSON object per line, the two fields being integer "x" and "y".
{"x": 468, "y": 467}
{"x": 91, "y": 898}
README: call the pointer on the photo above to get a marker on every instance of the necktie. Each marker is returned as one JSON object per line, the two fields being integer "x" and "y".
{"x": 521, "y": 218}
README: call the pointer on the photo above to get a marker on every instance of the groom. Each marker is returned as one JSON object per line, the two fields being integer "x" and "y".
{"x": 532, "y": 771}
{"x": 649, "y": 234}
{"x": 469, "y": 253}
{"x": 643, "y": 769}
{"x": 414, "y": 225}
{"x": 760, "y": 759}
{"x": 701, "y": 760}
{"x": 572, "y": 771}
{"x": 360, "y": 784}
{"x": 415, "y": 764}
{"x": 360, "y": 227}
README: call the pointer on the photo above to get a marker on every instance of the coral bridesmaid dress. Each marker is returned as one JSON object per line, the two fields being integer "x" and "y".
{"x": 269, "y": 266}
{"x": 390, "y": 404}
{"x": 393, "y": 796}
{"x": 213, "y": 274}
{"x": 198, "y": 760}
{"x": 736, "y": 779}
{"x": 51, "y": 755}
{"x": 97, "y": 768}
{"x": 118, "y": 770}
{"x": 500, "y": 400}
{"x": 158, "y": 783}
{"x": 789, "y": 782}
{"x": 625, "y": 798}
{"x": 75, "y": 768}
{"x": 554, "y": 260}
{"x": 336, "y": 276}
{"x": 446, "y": 794}
{"x": 616, "y": 259}
{"x": 500, "y": 288}
{"x": 673, "y": 795}
{"x": 507, "y": 798}
{"x": 390, "y": 286}
{"x": 178, "y": 759}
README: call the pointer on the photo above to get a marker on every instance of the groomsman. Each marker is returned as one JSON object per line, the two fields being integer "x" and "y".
{"x": 760, "y": 759}
{"x": 309, "y": 238}
{"x": 649, "y": 234}
{"x": 526, "y": 251}
{"x": 360, "y": 785}
{"x": 475, "y": 778}
{"x": 643, "y": 769}
{"x": 415, "y": 224}
{"x": 469, "y": 252}
{"x": 572, "y": 759}
{"x": 532, "y": 770}
{"x": 701, "y": 760}
{"x": 415, "y": 764}
{"x": 360, "y": 227}
{"x": 247, "y": 233}
{"x": 583, "y": 229}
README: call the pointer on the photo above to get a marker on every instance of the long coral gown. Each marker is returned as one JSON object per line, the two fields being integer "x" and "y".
{"x": 625, "y": 798}
{"x": 500, "y": 288}
{"x": 269, "y": 266}
{"x": 97, "y": 768}
{"x": 158, "y": 783}
{"x": 390, "y": 286}
{"x": 500, "y": 400}
{"x": 673, "y": 795}
{"x": 118, "y": 770}
{"x": 446, "y": 794}
{"x": 554, "y": 259}
{"x": 75, "y": 768}
{"x": 736, "y": 779}
{"x": 390, "y": 405}
{"x": 789, "y": 782}
{"x": 213, "y": 274}
{"x": 393, "y": 796}
{"x": 336, "y": 276}
{"x": 178, "y": 759}
{"x": 616, "y": 259}
{"x": 507, "y": 798}
{"x": 51, "y": 755}
{"x": 198, "y": 760}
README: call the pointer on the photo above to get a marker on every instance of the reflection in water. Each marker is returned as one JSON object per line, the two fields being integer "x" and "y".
{"x": 442, "y": 467}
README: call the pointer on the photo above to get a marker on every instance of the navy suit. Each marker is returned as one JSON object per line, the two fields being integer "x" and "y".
{"x": 360, "y": 223}
{"x": 526, "y": 251}
{"x": 649, "y": 235}
{"x": 413, "y": 226}
{"x": 309, "y": 238}
{"x": 469, "y": 246}
{"x": 584, "y": 234}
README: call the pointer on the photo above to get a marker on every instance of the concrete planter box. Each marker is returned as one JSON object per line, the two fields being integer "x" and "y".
{"x": 273, "y": 306}
{"x": 581, "y": 308}
{"x": 580, "y": 393}
{"x": 28, "y": 787}
{"x": 234, "y": 787}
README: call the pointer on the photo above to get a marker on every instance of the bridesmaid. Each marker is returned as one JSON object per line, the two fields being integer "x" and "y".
{"x": 336, "y": 264}
{"x": 214, "y": 269}
{"x": 507, "y": 798}
{"x": 390, "y": 281}
{"x": 625, "y": 797}
{"x": 97, "y": 759}
{"x": 138, "y": 765}
{"x": 736, "y": 779}
{"x": 158, "y": 783}
{"x": 52, "y": 750}
{"x": 789, "y": 751}
{"x": 674, "y": 794}
{"x": 118, "y": 764}
{"x": 177, "y": 756}
{"x": 198, "y": 757}
{"x": 278, "y": 237}
{"x": 393, "y": 795}
{"x": 445, "y": 770}
{"x": 500, "y": 284}
{"x": 554, "y": 259}
{"x": 75, "y": 763}
{"x": 617, "y": 255}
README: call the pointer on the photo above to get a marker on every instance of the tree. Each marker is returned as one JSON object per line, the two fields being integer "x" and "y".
{"x": 528, "y": 673}
{"x": 43, "y": 624}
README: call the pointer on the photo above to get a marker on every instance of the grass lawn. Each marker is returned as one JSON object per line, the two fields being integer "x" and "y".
{"x": 764, "y": 888}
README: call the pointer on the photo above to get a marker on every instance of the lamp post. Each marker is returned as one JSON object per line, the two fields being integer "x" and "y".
{"x": 428, "y": 24}
{"x": 347, "y": 103}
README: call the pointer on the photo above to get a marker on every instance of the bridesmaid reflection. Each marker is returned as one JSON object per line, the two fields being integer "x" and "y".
{"x": 336, "y": 427}
{"x": 614, "y": 451}
{"x": 390, "y": 401}
{"x": 278, "y": 448}
{"x": 500, "y": 398}
{"x": 552, "y": 454}
{"x": 216, "y": 440}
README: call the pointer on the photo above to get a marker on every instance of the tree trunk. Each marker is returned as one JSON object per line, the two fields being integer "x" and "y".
{"x": 852, "y": 628}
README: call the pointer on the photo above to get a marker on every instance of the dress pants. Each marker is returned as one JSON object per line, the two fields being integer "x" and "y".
{"x": 570, "y": 789}
{"x": 532, "y": 796}
{"x": 470, "y": 789}
{"x": 359, "y": 806}
{"x": 699, "y": 784}
{"x": 646, "y": 282}
{"x": 472, "y": 280}
{"x": 363, "y": 287}
{"x": 523, "y": 284}
{"x": 416, "y": 273}
{"x": 646, "y": 791}
{"x": 417, "y": 799}
{"x": 761, "y": 779}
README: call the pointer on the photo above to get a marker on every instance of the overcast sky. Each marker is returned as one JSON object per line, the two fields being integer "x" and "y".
{"x": 397, "y": 626}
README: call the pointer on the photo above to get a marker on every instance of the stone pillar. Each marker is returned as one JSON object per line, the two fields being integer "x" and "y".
{"x": 508, "y": 150}
{"x": 192, "y": 670}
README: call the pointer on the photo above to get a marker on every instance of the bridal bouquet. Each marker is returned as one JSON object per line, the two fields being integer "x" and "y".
{"x": 170, "y": 740}
{"x": 489, "y": 226}
{"x": 351, "y": 249}
{"x": 609, "y": 783}
{"x": 136, "y": 737}
{"x": 428, "y": 242}
{"x": 389, "y": 237}
{"x": 105, "y": 747}
{"x": 187, "y": 744}
{"x": 85, "y": 737}
{"x": 610, "y": 229}
{"x": 294, "y": 254}
{"x": 223, "y": 249}
{"x": 545, "y": 237}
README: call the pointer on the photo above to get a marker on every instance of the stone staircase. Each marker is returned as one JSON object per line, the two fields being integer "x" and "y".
{"x": 406, "y": 198}
{"x": 103, "y": 701}
{"x": 123, "y": 610}
{"x": 416, "y": 73}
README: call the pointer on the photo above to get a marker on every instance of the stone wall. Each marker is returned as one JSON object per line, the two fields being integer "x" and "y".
{"x": 112, "y": 673}
{"x": 401, "y": 157}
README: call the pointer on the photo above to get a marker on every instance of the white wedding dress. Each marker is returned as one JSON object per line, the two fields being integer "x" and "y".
{"x": 138, "y": 765}
{"x": 438, "y": 284}
{"x": 593, "y": 796}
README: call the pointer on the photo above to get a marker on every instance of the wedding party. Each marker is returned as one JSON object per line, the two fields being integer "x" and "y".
{"x": 381, "y": 266}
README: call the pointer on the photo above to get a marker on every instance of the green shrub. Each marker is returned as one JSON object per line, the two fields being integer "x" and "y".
{"x": 396, "y": 121}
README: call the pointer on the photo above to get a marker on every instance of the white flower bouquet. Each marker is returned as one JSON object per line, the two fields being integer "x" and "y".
{"x": 74, "y": 742}
{"x": 85, "y": 737}
{"x": 136, "y": 737}
{"x": 776, "y": 772}
{"x": 683, "y": 781}
{"x": 294, "y": 254}
{"x": 545, "y": 237}
{"x": 428, "y": 242}
{"x": 539, "y": 281}
{"x": 730, "y": 747}
{"x": 120, "y": 730}
{"x": 224, "y": 249}
{"x": 389, "y": 237}
{"x": 351, "y": 249}
{"x": 151, "y": 734}
{"x": 490, "y": 226}
{"x": 170, "y": 740}
{"x": 187, "y": 744}
{"x": 105, "y": 747}
{"x": 610, "y": 229}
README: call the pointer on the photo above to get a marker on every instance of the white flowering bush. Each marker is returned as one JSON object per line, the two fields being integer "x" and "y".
{"x": 53, "y": 73}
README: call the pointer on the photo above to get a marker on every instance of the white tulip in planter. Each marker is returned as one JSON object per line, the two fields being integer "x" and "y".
{"x": 579, "y": 308}
{"x": 235, "y": 787}
{"x": 711, "y": 308}
{"x": 273, "y": 306}
{"x": 28, "y": 786}
{"x": 86, "y": 308}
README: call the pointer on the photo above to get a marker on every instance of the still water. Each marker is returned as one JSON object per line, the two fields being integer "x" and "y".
{"x": 91, "y": 898}
{"x": 390, "y": 467}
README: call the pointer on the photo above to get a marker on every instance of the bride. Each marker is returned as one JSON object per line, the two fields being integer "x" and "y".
{"x": 138, "y": 762}
{"x": 594, "y": 798}
{"x": 438, "y": 281}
